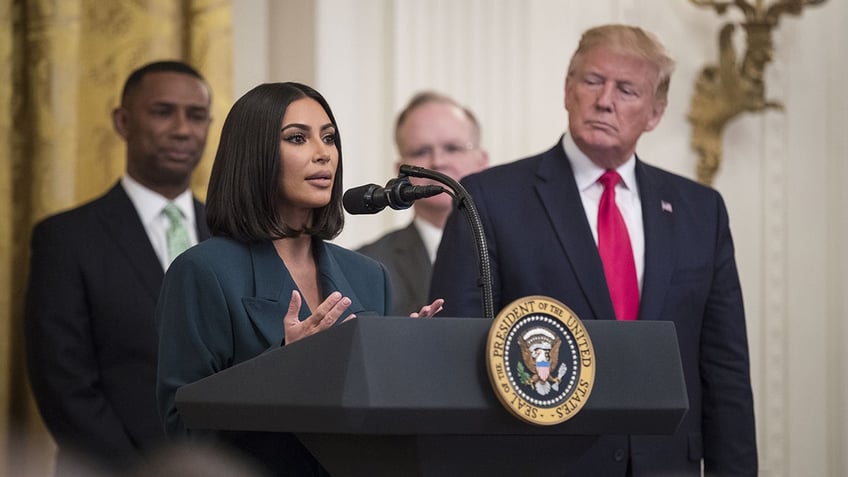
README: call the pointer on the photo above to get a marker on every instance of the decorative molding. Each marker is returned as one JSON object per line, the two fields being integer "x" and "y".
{"x": 773, "y": 450}
{"x": 726, "y": 90}
{"x": 775, "y": 391}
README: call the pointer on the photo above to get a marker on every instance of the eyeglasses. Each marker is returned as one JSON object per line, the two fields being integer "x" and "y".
{"x": 448, "y": 149}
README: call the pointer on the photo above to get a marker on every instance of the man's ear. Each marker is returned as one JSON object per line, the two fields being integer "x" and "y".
{"x": 484, "y": 159}
{"x": 657, "y": 111}
{"x": 119, "y": 121}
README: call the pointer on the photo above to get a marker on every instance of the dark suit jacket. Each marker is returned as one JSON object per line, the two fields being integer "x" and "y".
{"x": 405, "y": 257}
{"x": 223, "y": 302}
{"x": 91, "y": 342}
{"x": 540, "y": 243}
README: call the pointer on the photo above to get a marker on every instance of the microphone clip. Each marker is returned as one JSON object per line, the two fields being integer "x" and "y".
{"x": 397, "y": 196}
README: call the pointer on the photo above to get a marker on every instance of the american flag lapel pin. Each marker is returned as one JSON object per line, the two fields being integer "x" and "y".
{"x": 666, "y": 206}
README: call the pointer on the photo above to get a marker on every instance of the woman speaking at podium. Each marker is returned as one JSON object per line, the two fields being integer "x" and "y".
{"x": 267, "y": 277}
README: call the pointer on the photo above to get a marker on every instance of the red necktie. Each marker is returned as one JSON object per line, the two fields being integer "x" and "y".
{"x": 616, "y": 252}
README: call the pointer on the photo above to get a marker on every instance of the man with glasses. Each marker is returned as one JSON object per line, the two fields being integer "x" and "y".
{"x": 434, "y": 132}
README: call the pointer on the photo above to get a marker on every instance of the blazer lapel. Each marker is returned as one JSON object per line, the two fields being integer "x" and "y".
{"x": 658, "y": 222}
{"x": 410, "y": 251}
{"x": 268, "y": 307}
{"x": 333, "y": 278}
{"x": 563, "y": 205}
{"x": 273, "y": 282}
{"x": 200, "y": 221}
{"x": 121, "y": 221}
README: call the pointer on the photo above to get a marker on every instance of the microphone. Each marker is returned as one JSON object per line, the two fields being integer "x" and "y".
{"x": 399, "y": 194}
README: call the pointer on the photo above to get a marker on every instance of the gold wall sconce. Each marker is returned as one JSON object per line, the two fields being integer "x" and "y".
{"x": 730, "y": 88}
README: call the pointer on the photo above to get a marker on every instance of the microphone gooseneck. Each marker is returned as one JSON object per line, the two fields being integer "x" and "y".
{"x": 399, "y": 194}
{"x": 463, "y": 201}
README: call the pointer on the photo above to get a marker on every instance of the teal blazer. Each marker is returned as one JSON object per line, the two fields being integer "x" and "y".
{"x": 222, "y": 302}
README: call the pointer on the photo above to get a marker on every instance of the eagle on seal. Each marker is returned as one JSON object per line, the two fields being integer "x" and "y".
{"x": 540, "y": 357}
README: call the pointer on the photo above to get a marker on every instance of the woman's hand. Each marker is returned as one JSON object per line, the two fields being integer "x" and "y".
{"x": 429, "y": 310}
{"x": 327, "y": 313}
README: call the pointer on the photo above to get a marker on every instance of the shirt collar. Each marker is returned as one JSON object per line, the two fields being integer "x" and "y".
{"x": 149, "y": 204}
{"x": 430, "y": 235}
{"x": 587, "y": 173}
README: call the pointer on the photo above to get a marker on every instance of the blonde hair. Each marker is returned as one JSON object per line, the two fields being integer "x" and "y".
{"x": 631, "y": 41}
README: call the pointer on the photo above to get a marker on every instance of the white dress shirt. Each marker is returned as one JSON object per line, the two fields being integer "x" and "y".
{"x": 586, "y": 175}
{"x": 430, "y": 235}
{"x": 149, "y": 205}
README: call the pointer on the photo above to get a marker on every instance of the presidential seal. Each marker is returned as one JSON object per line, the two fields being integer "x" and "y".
{"x": 540, "y": 360}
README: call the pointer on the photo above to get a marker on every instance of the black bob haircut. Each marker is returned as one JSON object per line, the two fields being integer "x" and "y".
{"x": 244, "y": 185}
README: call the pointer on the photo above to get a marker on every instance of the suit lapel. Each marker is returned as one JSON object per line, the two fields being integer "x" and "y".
{"x": 268, "y": 307}
{"x": 658, "y": 220}
{"x": 273, "y": 283}
{"x": 200, "y": 221}
{"x": 564, "y": 208}
{"x": 120, "y": 220}
{"x": 332, "y": 277}
{"x": 410, "y": 250}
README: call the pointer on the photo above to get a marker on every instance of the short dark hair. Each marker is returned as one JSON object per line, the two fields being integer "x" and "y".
{"x": 171, "y": 66}
{"x": 244, "y": 184}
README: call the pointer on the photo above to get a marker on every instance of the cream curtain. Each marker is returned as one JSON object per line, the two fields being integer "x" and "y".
{"x": 62, "y": 66}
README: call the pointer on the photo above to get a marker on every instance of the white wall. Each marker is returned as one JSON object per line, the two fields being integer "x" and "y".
{"x": 782, "y": 177}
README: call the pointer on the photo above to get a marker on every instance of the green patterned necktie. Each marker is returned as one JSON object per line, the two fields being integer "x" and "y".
{"x": 176, "y": 236}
